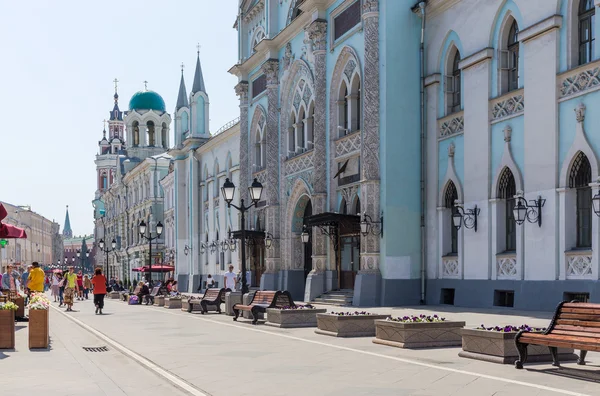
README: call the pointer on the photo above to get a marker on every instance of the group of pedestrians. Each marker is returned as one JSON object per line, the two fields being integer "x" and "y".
{"x": 70, "y": 286}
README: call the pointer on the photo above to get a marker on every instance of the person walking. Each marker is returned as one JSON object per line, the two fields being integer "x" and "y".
{"x": 99, "y": 283}
{"x": 70, "y": 284}
{"x": 35, "y": 280}
{"x": 87, "y": 285}
{"x": 54, "y": 288}
{"x": 230, "y": 279}
{"x": 9, "y": 279}
{"x": 61, "y": 289}
{"x": 24, "y": 278}
{"x": 79, "y": 286}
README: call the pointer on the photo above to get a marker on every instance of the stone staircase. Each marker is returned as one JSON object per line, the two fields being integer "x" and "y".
{"x": 336, "y": 297}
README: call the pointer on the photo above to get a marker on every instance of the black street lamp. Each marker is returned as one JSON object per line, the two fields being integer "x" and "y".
{"x": 80, "y": 257}
{"x": 530, "y": 211}
{"x": 113, "y": 246}
{"x": 468, "y": 217}
{"x": 255, "y": 191}
{"x": 142, "y": 230}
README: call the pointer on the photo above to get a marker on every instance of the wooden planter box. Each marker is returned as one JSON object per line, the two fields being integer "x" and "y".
{"x": 347, "y": 326}
{"x": 173, "y": 303}
{"x": 39, "y": 328}
{"x": 287, "y": 318}
{"x": 418, "y": 334}
{"x": 185, "y": 305}
{"x": 20, "y": 301}
{"x": 498, "y": 347}
{"x": 7, "y": 329}
{"x": 159, "y": 301}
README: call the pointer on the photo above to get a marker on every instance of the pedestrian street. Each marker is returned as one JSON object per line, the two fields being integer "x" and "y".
{"x": 212, "y": 355}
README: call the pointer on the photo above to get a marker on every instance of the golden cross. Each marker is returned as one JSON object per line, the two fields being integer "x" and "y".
{"x": 145, "y": 85}
{"x": 116, "y": 82}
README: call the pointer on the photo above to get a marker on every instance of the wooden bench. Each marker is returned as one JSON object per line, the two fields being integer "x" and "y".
{"x": 213, "y": 297}
{"x": 150, "y": 297}
{"x": 262, "y": 300}
{"x": 575, "y": 325}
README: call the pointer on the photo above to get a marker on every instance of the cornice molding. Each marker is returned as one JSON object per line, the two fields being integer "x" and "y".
{"x": 541, "y": 27}
{"x": 477, "y": 57}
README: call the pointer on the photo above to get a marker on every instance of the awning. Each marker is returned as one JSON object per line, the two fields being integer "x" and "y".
{"x": 8, "y": 230}
{"x": 155, "y": 268}
{"x": 346, "y": 224}
{"x": 250, "y": 234}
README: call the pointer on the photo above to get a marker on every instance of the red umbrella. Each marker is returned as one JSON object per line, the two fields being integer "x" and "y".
{"x": 7, "y": 230}
{"x": 138, "y": 269}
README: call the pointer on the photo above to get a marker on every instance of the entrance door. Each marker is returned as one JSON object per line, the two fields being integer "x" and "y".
{"x": 258, "y": 264}
{"x": 350, "y": 261}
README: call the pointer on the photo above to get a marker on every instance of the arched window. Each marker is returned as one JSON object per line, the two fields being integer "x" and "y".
{"x": 354, "y": 101}
{"x": 259, "y": 35}
{"x": 151, "y": 133}
{"x": 136, "y": 134}
{"x": 455, "y": 87}
{"x": 507, "y": 192}
{"x": 357, "y": 207}
{"x": 587, "y": 34}
{"x": 295, "y": 10}
{"x": 310, "y": 127}
{"x": 449, "y": 199}
{"x": 302, "y": 124}
{"x": 342, "y": 102}
{"x": 343, "y": 207}
{"x": 164, "y": 135}
{"x": 512, "y": 47}
{"x": 292, "y": 136}
{"x": 579, "y": 178}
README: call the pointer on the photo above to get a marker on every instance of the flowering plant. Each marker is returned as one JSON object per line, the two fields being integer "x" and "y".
{"x": 8, "y": 306}
{"x": 38, "y": 301}
{"x": 417, "y": 319}
{"x": 355, "y": 313}
{"x": 175, "y": 296}
{"x": 510, "y": 328}
{"x": 288, "y": 307}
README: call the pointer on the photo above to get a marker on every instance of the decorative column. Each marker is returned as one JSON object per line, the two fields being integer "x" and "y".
{"x": 241, "y": 90}
{"x": 317, "y": 33}
{"x": 269, "y": 279}
{"x": 368, "y": 281}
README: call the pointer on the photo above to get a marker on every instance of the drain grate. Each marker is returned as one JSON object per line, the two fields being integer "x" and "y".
{"x": 96, "y": 349}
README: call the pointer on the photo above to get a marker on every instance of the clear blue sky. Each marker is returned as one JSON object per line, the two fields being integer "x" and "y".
{"x": 59, "y": 59}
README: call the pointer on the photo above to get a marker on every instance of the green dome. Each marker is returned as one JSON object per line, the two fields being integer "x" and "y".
{"x": 147, "y": 100}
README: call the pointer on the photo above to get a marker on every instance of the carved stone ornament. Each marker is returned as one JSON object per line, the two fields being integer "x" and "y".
{"x": 370, "y": 6}
{"x": 317, "y": 33}
{"x": 583, "y": 81}
{"x": 507, "y": 133}
{"x": 241, "y": 90}
{"x": 580, "y": 112}
{"x": 288, "y": 58}
{"x": 451, "y": 149}
{"x": 270, "y": 69}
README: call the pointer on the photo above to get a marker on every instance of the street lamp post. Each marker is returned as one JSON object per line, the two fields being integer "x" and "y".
{"x": 228, "y": 191}
{"x": 113, "y": 246}
{"x": 142, "y": 230}
{"x": 79, "y": 256}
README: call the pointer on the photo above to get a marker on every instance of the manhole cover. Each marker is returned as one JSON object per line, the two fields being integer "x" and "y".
{"x": 96, "y": 349}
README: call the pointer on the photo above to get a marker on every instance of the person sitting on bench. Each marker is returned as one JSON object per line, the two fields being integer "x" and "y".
{"x": 143, "y": 293}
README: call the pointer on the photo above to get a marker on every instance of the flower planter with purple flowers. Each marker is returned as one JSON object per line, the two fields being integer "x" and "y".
{"x": 296, "y": 316}
{"x": 497, "y": 345}
{"x": 347, "y": 324}
{"x": 418, "y": 332}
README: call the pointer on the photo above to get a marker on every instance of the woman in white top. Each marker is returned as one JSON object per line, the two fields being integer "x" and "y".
{"x": 55, "y": 288}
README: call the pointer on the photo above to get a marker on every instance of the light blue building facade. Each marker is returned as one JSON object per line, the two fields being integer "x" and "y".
{"x": 330, "y": 125}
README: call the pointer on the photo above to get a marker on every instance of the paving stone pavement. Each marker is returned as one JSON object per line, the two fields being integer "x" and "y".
{"x": 220, "y": 357}
{"x": 65, "y": 369}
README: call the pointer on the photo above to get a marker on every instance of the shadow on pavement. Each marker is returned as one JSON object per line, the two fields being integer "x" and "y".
{"x": 578, "y": 374}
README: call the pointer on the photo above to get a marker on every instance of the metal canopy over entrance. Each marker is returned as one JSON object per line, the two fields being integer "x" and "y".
{"x": 342, "y": 230}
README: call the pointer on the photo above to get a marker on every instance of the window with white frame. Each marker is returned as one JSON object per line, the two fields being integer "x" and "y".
{"x": 300, "y": 134}
{"x": 579, "y": 178}
{"x": 259, "y": 145}
{"x": 349, "y": 106}
{"x": 450, "y": 197}
{"x": 507, "y": 192}
{"x": 509, "y": 57}
{"x": 586, "y": 31}
{"x": 452, "y": 84}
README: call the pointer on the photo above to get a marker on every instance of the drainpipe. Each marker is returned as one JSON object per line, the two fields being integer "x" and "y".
{"x": 421, "y": 11}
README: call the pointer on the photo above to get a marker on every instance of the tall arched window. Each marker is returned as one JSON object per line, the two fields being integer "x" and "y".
{"x": 513, "y": 57}
{"x": 151, "y": 133}
{"x": 449, "y": 199}
{"x": 292, "y": 136}
{"x": 456, "y": 83}
{"x": 136, "y": 134}
{"x": 579, "y": 178}
{"x": 507, "y": 191}
{"x": 258, "y": 150}
{"x": 344, "y": 206}
{"x": 164, "y": 135}
{"x": 310, "y": 127}
{"x": 216, "y": 181}
{"x": 587, "y": 33}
